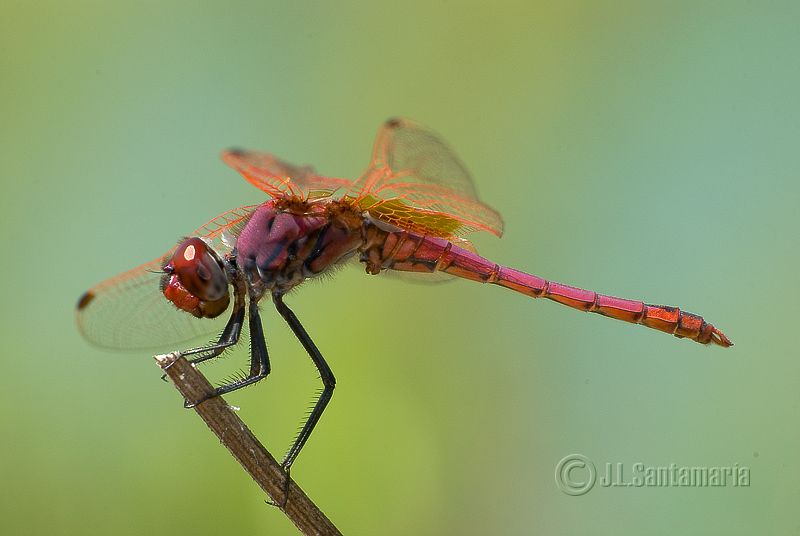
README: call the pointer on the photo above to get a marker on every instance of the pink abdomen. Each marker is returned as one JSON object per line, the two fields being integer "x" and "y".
{"x": 409, "y": 252}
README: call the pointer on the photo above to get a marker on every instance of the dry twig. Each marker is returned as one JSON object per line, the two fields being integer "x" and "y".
{"x": 245, "y": 447}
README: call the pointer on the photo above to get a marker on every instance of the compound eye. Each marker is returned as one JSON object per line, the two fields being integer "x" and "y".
{"x": 200, "y": 270}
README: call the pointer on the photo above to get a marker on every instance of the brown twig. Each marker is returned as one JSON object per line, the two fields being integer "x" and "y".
{"x": 245, "y": 447}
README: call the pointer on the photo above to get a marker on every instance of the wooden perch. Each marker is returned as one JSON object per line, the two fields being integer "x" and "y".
{"x": 245, "y": 447}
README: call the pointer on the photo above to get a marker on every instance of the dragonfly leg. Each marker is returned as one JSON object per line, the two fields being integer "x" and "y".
{"x": 259, "y": 358}
{"x": 328, "y": 381}
{"x": 229, "y": 336}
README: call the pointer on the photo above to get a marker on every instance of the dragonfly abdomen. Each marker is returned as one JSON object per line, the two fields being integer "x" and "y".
{"x": 661, "y": 317}
{"x": 409, "y": 252}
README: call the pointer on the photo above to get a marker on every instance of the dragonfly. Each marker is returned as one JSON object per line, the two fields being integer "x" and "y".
{"x": 408, "y": 212}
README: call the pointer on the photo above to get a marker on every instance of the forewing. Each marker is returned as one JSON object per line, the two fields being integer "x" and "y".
{"x": 417, "y": 183}
{"x": 281, "y": 179}
{"x": 130, "y": 312}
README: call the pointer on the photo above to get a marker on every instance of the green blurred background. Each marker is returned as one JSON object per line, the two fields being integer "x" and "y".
{"x": 642, "y": 149}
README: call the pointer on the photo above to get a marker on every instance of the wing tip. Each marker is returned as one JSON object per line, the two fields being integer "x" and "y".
{"x": 84, "y": 300}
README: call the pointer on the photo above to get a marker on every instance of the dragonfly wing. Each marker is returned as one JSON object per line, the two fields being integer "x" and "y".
{"x": 279, "y": 178}
{"x": 130, "y": 312}
{"x": 416, "y": 181}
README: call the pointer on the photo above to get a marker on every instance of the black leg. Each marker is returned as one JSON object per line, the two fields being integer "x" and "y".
{"x": 259, "y": 358}
{"x": 229, "y": 336}
{"x": 328, "y": 381}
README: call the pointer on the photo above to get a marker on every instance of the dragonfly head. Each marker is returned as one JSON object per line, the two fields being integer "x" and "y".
{"x": 195, "y": 281}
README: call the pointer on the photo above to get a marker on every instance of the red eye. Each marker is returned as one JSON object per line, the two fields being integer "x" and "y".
{"x": 200, "y": 270}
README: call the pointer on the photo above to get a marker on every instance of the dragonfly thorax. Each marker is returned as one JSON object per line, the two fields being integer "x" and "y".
{"x": 282, "y": 245}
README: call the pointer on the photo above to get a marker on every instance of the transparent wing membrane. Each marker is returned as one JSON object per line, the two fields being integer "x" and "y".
{"x": 129, "y": 311}
{"x": 280, "y": 179}
{"x": 417, "y": 183}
